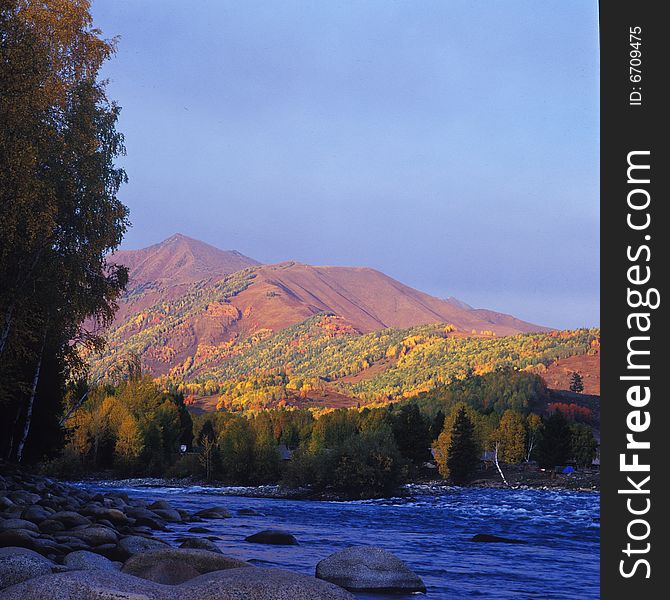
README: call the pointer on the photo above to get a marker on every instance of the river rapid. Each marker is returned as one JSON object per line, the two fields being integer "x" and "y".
{"x": 429, "y": 530}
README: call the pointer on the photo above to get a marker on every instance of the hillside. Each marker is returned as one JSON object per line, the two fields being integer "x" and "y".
{"x": 190, "y": 306}
{"x": 321, "y": 361}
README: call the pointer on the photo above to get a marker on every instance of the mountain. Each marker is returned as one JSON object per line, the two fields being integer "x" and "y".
{"x": 179, "y": 260}
{"x": 166, "y": 270}
{"x": 188, "y": 302}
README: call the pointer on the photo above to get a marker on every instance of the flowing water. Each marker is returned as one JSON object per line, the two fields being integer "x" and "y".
{"x": 429, "y": 531}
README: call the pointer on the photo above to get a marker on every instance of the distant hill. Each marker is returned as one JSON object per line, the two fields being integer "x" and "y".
{"x": 189, "y": 306}
{"x": 179, "y": 260}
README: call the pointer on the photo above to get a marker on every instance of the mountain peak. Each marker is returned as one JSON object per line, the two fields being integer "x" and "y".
{"x": 179, "y": 260}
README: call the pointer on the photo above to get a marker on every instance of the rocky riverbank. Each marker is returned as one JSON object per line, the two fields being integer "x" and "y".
{"x": 61, "y": 542}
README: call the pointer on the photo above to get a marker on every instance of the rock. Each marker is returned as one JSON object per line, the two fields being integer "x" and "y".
{"x": 260, "y": 583}
{"x": 248, "y": 512}
{"x": 134, "y": 544}
{"x": 5, "y": 503}
{"x": 17, "y": 524}
{"x": 22, "y": 538}
{"x": 215, "y": 512}
{"x": 51, "y": 526}
{"x": 96, "y": 535}
{"x": 199, "y": 530}
{"x": 113, "y": 515}
{"x": 36, "y": 513}
{"x": 202, "y": 544}
{"x": 161, "y": 505}
{"x": 144, "y": 516}
{"x": 70, "y": 518}
{"x": 272, "y": 536}
{"x": 368, "y": 568}
{"x": 171, "y": 566}
{"x": 23, "y": 497}
{"x": 232, "y": 584}
{"x": 19, "y": 564}
{"x": 485, "y": 537}
{"x": 88, "y": 561}
{"x": 169, "y": 515}
{"x": 87, "y": 585}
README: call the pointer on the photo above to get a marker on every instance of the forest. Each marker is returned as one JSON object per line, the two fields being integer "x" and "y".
{"x": 137, "y": 429}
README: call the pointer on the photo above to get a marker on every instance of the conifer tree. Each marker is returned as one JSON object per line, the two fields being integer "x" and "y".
{"x": 463, "y": 454}
{"x": 576, "y": 383}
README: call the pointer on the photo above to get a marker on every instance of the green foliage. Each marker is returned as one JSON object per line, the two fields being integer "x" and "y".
{"x": 463, "y": 452}
{"x": 59, "y": 212}
{"x": 411, "y": 432}
{"x": 555, "y": 446}
{"x": 511, "y": 437}
{"x": 584, "y": 445}
{"x": 136, "y": 427}
{"x": 576, "y": 383}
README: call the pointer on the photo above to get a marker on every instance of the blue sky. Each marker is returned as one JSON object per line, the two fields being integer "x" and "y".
{"x": 451, "y": 144}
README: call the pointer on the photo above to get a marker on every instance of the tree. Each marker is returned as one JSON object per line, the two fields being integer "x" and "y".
{"x": 555, "y": 446}
{"x": 584, "y": 445}
{"x": 59, "y": 212}
{"x": 511, "y": 437}
{"x": 463, "y": 453}
{"x": 236, "y": 444}
{"x": 533, "y": 433}
{"x": 411, "y": 431}
{"x": 576, "y": 383}
{"x": 442, "y": 444}
{"x": 369, "y": 465}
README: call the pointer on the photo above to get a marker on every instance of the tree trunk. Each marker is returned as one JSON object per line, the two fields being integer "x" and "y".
{"x": 10, "y": 446}
{"x": 498, "y": 466}
{"x": 6, "y": 327}
{"x": 31, "y": 400}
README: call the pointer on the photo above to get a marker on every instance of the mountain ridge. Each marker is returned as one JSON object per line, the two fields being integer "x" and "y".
{"x": 187, "y": 300}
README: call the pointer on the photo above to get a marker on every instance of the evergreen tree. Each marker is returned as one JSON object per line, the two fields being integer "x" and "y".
{"x": 437, "y": 425}
{"x": 463, "y": 453}
{"x": 576, "y": 383}
{"x": 555, "y": 445}
{"x": 411, "y": 431}
{"x": 584, "y": 445}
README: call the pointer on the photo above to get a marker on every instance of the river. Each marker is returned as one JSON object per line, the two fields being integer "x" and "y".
{"x": 429, "y": 531}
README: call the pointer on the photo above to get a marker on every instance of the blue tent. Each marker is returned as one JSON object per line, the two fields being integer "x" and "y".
{"x": 568, "y": 469}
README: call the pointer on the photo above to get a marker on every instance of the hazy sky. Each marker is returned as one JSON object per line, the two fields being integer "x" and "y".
{"x": 451, "y": 144}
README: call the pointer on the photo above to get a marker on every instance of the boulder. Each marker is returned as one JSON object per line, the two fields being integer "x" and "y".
{"x": 172, "y": 565}
{"x": 96, "y": 535}
{"x": 83, "y": 560}
{"x": 249, "y": 512}
{"x": 169, "y": 514}
{"x": 36, "y": 513}
{"x": 134, "y": 544}
{"x": 113, "y": 515}
{"x": 369, "y": 568}
{"x": 51, "y": 526}
{"x": 485, "y": 537}
{"x": 199, "y": 530}
{"x": 232, "y": 584}
{"x": 70, "y": 518}
{"x": 272, "y": 536}
{"x": 215, "y": 512}
{"x": 17, "y": 524}
{"x": 87, "y": 585}
{"x": 161, "y": 505}
{"x": 200, "y": 543}
{"x": 19, "y": 564}
{"x": 23, "y": 497}
{"x": 22, "y": 538}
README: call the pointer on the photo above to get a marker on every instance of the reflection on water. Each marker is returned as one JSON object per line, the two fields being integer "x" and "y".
{"x": 429, "y": 532}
